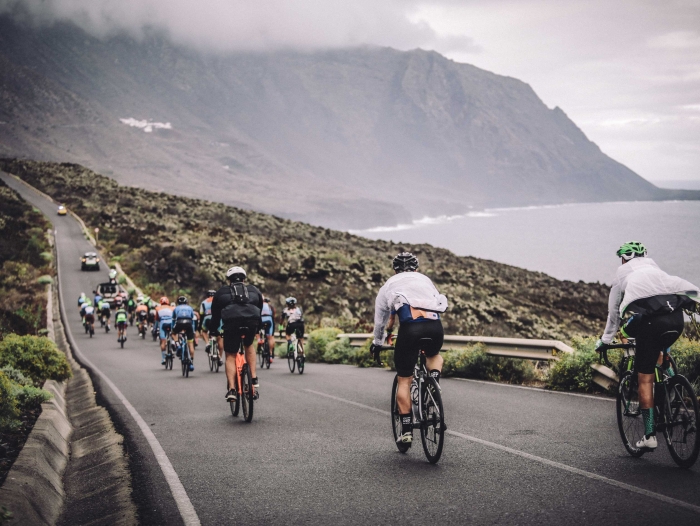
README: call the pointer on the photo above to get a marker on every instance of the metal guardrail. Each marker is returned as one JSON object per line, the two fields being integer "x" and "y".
{"x": 521, "y": 348}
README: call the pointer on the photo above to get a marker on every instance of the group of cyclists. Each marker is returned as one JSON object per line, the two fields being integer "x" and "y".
{"x": 645, "y": 303}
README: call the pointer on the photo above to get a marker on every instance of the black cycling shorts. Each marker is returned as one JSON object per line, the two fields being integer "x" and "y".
{"x": 653, "y": 334}
{"x": 233, "y": 331}
{"x": 408, "y": 346}
{"x": 106, "y": 313}
{"x": 186, "y": 327}
{"x": 297, "y": 326}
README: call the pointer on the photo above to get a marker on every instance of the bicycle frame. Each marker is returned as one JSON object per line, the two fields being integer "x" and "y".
{"x": 240, "y": 362}
{"x": 420, "y": 372}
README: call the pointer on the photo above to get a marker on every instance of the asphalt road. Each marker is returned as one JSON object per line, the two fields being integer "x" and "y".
{"x": 320, "y": 450}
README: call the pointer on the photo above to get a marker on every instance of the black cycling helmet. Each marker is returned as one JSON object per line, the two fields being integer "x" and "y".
{"x": 210, "y": 293}
{"x": 405, "y": 262}
{"x": 182, "y": 300}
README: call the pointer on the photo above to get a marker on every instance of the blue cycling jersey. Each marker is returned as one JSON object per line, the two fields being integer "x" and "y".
{"x": 183, "y": 312}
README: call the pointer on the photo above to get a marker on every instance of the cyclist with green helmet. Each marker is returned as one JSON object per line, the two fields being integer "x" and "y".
{"x": 121, "y": 318}
{"x": 651, "y": 303}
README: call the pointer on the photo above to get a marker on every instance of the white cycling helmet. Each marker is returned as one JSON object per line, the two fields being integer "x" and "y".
{"x": 112, "y": 273}
{"x": 235, "y": 272}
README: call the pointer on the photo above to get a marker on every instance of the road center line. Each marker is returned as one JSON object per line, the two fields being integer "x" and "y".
{"x": 184, "y": 505}
{"x": 535, "y": 458}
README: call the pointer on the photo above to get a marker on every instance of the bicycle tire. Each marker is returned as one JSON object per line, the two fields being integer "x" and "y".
{"x": 396, "y": 418}
{"x": 291, "y": 362}
{"x": 266, "y": 352}
{"x": 682, "y": 433}
{"x": 432, "y": 430}
{"x": 301, "y": 359}
{"x": 121, "y": 340}
{"x": 210, "y": 352}
{"x": 630, "y": 422}
{"x": 236, "y": 404}
{"x": 216, "y": 362}
{"x": 247, "y": 393}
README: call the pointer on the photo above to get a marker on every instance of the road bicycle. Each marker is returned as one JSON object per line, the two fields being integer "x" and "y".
{"x": 154, "y": 331}
{"x": 142, "y": 327}
{"x": 89, "y": 327}
{"x": 169, "y": 348}
{"x": 182, "y": 350}
{"x": 295, "y": 354}
{"x": 263, "y": 348}
{"x": 426, "y": 408}
{"x": 243, "y": 383}
{"x": 675, "y": 403}
{"x": 212, "y": 350}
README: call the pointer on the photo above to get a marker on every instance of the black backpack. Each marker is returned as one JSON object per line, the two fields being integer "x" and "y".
{"x": 239, "y": 293}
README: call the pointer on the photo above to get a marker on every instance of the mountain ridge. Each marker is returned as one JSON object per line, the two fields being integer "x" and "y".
{"x": 350, "y": 138}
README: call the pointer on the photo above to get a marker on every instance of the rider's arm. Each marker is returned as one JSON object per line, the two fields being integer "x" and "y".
{"x": 613, "y": 323}
{"x": 215, "y": 313}
{"x": 382, "y": 313}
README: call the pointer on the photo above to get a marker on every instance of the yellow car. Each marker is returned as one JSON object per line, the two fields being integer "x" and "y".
{"x": 62, "y": 210}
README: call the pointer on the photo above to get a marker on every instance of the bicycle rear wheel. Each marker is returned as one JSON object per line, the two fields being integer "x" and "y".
{"x": 247, "y": 393}
{"x": 291, "y": 362}
{"x": 396, "y": 417}
{"x": 236, "y": 404}
{"x": 261, "y": 357}
{"x": 682, "y": 424}
{"x": 300, "y": 357}
{"x": 629, "y": 415}
{"x": 432, "y": 430}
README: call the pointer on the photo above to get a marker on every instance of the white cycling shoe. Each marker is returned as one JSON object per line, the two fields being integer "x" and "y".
{"x": 405, "y": 438}
{"x": 647, "y": 442}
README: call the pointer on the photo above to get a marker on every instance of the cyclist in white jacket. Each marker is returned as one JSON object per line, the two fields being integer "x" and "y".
{"x": 412, "y": 297}
{"x": 652, "y": 302}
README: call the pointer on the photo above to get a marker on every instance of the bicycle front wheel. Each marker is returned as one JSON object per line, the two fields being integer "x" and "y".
{"x": 236, "y": 405}
{"x": 396, "y": 417}
{"x": 629, "y": 415}
{"x": 432, "y": 430}
{"x": 681, "y": 430}
{"x": 261, "y": 356}
{"x": 247, "y": 394}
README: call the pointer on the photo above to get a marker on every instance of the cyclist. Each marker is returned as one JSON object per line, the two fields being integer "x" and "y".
{"x": 413, "y": 298}
{"x": 131, "y": 308}
{"x": 295, "y": 320}
{"x": 81, "y": 299}
{"x": 237, "y": 305}
{"x": 121, "y": 320}
{"x": 652, "y": 303}
{"x": 113, "y": 275}
{"x": 96, "y": 298}
{"x": 164, "y": 321}
{"x": 141, "y": 313}
{"x": 87, "y": 303}
{"x": 88, "y": 312}
{"x": 267, "y": 317}
{"x": 105, "y": 312}
{"x": 205, "y": 315}
{"x": 183, "y": 322}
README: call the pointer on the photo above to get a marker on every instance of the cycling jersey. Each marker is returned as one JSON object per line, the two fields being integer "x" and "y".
{"x": 164, "y": 313}
{"x": 205, "y": 307}
{"x": 293, "y": 314}
{"x": 121, "y": 316}
{"x": 88, "y": 310}
{"x": 413, "y": 296}
{"x": 183, "y": 312}
{"x": 637, "y": 279}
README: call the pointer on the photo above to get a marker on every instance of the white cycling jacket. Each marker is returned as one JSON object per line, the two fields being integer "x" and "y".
{"x": 637, "y": 279}
{"x": 406, "y": 288}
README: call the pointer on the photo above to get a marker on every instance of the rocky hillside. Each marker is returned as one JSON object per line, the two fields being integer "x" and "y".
{"x": 173, "y": 244}
{"x": 346, "y": 138}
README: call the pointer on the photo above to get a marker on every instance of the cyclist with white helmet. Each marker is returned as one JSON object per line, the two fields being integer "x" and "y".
{"x": 295, "y": 321}
{"x": 164, "y": 324}
{"x": 183, "y": 323}
{"x": 238, "y": 306}
{"x": 652, "y": 303}
{"x": 267, "y": 318}
{"x": 412, "y": 297}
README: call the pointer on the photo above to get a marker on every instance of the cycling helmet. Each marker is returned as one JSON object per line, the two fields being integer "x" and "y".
{"x": 632, "y": 249}
{"x": 405, "y": 262}
{"x": 235, "y": 274}
{"x": 266, "y": 299}
{"x": 164, "y": 300}
{"x": 112, "y": 273}
{"x": 139, "y": 299}
{"x": 182, "y": 300}
{"x": 210, "y": 293}
{"x": 291, "y": 301}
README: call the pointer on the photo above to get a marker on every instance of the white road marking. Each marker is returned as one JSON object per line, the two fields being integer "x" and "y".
{"x": 536, "y": 389}
{"x": 184, "y": 505}
{"x": 535, "y": 458}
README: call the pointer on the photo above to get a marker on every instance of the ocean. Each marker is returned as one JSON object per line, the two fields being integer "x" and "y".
{"x": 572, "y": 242}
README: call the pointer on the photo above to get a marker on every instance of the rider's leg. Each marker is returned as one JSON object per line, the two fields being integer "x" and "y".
{"x": 220, "y": 343}
{"x": 231, "y": 369}
{"x": 403, "y": 396}
{"x": 190, "y": 344}
{"x": 271, "y": 344}
{"x": 434, "y": 363}
{"x": 250, "y": 356}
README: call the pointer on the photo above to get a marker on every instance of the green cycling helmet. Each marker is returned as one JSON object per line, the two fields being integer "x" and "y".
{"x": 632, "y": 249}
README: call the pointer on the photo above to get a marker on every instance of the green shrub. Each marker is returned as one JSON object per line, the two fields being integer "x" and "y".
{"x": 5, "y": 515}
{"x": 687, "y": 355}
{"x": 476, "y": 363}
{"x": 37, "y": 357}
{"x": 16, "y": 375}
{"x": 9, "y": 410}
{"x": 46, "y": 256}
{"x": 44, "y": 280}
{"x": 30, "y": 397}
{"x": 318, "y": 342}
{"x": 573, "y": 371}
{"x": 339, "y": 351}
{"x": 121, "y": 279}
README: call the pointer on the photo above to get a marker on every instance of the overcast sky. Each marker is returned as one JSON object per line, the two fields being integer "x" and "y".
{"x": 626, "y": 71}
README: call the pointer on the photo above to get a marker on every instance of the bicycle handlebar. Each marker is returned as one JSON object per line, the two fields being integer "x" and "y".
{"x": 378, "y": 349}
{"x": 606, "y": 348}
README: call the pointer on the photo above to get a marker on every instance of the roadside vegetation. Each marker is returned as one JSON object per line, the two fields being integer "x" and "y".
{"x": 27, "y": 358}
